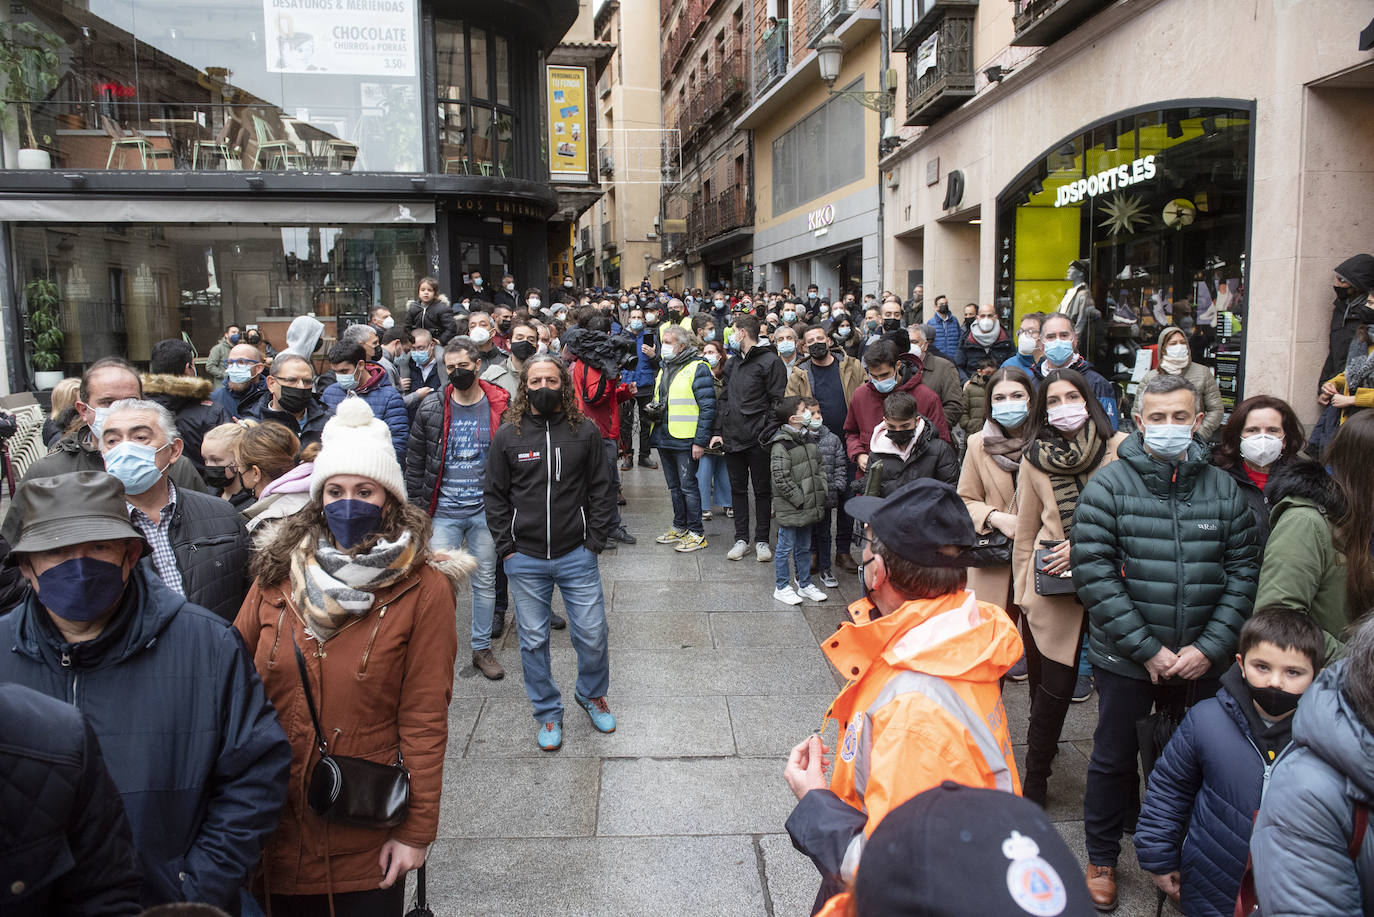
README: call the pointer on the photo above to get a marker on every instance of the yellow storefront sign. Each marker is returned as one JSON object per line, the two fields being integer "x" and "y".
{"x": 567, "y": 117}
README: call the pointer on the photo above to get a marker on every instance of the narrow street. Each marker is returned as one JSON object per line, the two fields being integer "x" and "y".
{"x": 681, "y": 811}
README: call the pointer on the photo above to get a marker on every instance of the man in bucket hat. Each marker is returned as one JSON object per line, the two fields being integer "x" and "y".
{"x": 923, "y": 704}
{"x": 187, "y": 732}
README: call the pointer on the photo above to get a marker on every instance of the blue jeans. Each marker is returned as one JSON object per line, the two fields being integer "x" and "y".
{"x": 579, "y": 580}
{"x": 452, "y": 533}
{"x": 793, "y": 541}
{"x": 820, "y": 541}
{"x": 680, "y": 471}
{"x": 713, "y": 482}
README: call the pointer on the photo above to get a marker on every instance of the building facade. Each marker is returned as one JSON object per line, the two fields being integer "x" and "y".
{"x": 185, "y": 166}
{"x": 1221, "y": 179}
{"x": 817, "y": 205}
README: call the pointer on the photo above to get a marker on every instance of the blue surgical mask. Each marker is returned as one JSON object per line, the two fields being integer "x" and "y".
{"x": 811, "y": 294}
{"x": 1010, "y": 414}
{"x": 637, "y": 325}
{"x": 81, "y": 588}
{"x": 135, "y": 465}
{"x": 419, "y": 357}
{"x": 886, "y": 385}
{"x": 98, "y": 423}
{"x": 1168, "y": 440}
{"x": 347, "y": 383}
{"x": 712, "y": 360}
{"x": 351, "y": 521}
{"x": 789, "y": 316}
{"x": 1058, "y": 352}
{"x": 842, "y": 332}
{"x": 710, "y": 335}
{"x": 787, "y": 348}
{"x": 239, "y": 374}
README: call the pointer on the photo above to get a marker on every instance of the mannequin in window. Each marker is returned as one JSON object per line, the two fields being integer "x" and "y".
{"x": 1077, "y": 303}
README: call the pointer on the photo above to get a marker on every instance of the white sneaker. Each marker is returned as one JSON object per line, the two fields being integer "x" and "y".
{"x": 763, "y": 552}
{"x": 738, "y": 551}
{"x": 786, "y": 594}
{"x": 810, "y": 591}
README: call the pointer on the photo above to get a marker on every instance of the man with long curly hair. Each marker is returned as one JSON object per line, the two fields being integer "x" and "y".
{"x": 549, "y": 503}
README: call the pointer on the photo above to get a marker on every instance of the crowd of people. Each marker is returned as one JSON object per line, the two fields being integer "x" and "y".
{"x": 247, "y": 586}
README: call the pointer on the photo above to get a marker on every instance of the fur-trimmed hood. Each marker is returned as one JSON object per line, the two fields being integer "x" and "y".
{"x": 176, "y": 388}
{"x": 1299, "y": 481}
{"x": 455, "y": 563}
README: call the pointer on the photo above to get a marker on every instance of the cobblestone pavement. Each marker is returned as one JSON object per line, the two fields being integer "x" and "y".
{"x": 681, "y": 810}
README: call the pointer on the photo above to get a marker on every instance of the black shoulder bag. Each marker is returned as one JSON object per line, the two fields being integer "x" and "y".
{"x": 353, "y": 791}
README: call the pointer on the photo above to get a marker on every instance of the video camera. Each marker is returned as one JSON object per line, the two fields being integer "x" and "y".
{"x": 610, "y": 353}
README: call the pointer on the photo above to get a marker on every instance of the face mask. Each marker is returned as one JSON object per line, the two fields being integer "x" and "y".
{"x": 1010, "y": 414}
{"x": 1067, "y": 418}
{"x": 462, "y": 379}
{"x": 817, "y": 350}
{"x": 886, "y": 385}
{"x": 81, "y": 589}
{"x": 239, "y": 374}
{"x": 388, "y": 323}
{"x": 546, "y": 400}
{"x": 669, "y": 351}
{"x": 1168, "y": 440}
{"x": 811, "y": 294}
{"x": 216, "y": 477}
{"x": 351, "y": 521}
{"x": 542, "y": 348}
{"x": 1025, "y": 345}
{"x": 503, "y": 326}
{"x": 871, "y": 324}
{"x": 347, "y": 383}
{"x": 805, "y": 416}
{"x": 916, "y": 351}
{"x": 135, "y": 465}
{"x": 480, "y": 335}
{"x": 523, "y": 350}
{"x": 1177, "y": 352}
{"x": 637, "y": 325}
{"x": 1274, "y": 701}
{"x": 786, "y": 348}
{"x": 477, "y": 281}
{"x": 294, "y": 400}
{"x": 719, "y": 303}
{"x": 567, "y": 284}
{"x": 233, "y": 339}
{"x": 555, "y": 346}
{"x": 712, "y": 360}
{"x": 823, "y": 311}
{"x": 891, "y": 324}
{"x": 842, "y": 332}
{"x": 510, "y": 288}
{"x": 815, "y": 423}
{"x": 986, "y": 324}
{"x": 1059, "y": 352}
{"x": 901, "y": 437}
{"x": 419, "y": 357}
{"x": 789, "y": 316}
{"x": 1262, "y": 449}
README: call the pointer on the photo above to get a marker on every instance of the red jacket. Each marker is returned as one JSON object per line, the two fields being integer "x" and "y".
{"x": 601, "y": 403}
{"x": 866, "y": 409}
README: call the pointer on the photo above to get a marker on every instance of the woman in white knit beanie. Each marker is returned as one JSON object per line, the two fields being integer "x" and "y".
{"x": 349, "y": 584}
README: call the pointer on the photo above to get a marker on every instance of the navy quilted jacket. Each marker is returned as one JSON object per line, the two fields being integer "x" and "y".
{"x": 1203, "y": 795}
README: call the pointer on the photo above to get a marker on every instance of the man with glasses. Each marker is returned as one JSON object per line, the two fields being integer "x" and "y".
{"x": 1059, "y": 341}
{"x": 292, "y": 402}
{"x": 1028, "y": 347}
{"x": 244, "y": 384}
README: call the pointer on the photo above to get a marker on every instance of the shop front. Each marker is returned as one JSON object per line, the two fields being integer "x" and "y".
{"x": 833, "y": 245}
{"x": 1134, "y": 223}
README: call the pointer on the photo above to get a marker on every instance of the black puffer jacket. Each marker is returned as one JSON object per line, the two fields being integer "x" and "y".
{"x": 436, "y": 318}
{"x": 188, "y": 398}
{"x": 1163, "y": 555}
{"x": 65, "y": 845}
{"x": 930, "y": 457}
{"x": 753, "y": 386}
{"x": 211, "y": 546}
{"x": 1358, "y": 271}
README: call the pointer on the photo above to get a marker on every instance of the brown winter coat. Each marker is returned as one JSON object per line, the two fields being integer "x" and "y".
{"x": 985, "y": 489}
{"x": 382, "y": 682}
{"x": 1056, "y": 621}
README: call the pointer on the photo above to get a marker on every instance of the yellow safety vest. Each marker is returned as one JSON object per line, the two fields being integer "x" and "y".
{"x": 682, "y": 404}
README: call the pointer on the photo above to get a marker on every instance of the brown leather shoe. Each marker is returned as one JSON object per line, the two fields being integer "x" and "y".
{"x": 1102, "y": 887}
{"x": 847, "y": 563}
{"x": 485, "y": 661}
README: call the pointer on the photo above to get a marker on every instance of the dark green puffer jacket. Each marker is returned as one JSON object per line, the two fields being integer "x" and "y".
{"x": 1163, "y": 555}
{"x": 798, "y": 478}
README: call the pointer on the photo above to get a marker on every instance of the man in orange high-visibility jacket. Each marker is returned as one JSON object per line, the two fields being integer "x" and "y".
{"x": 923, "y": 704}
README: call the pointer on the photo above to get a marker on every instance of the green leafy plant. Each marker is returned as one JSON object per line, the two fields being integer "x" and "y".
{"x": 28, "y": 59}
{"x": 45, "y": 323}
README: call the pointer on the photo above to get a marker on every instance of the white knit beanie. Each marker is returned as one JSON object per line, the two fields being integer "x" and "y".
{"x": 356, "y": 442}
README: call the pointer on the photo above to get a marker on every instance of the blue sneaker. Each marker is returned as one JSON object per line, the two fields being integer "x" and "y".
{"x": 602, "y": 718}
{"x": 551, "y": 736}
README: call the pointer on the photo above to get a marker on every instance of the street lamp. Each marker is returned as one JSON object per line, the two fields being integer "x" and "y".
{"x": 829, "y": 55}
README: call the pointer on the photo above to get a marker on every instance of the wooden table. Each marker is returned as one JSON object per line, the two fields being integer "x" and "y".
{"x": 184, "y": 133}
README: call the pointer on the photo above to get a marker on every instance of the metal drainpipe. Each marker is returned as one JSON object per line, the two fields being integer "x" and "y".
{"x": 884, "y": 57}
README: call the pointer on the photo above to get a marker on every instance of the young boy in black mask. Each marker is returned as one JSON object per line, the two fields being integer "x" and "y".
{"x": 1193, "y": 835}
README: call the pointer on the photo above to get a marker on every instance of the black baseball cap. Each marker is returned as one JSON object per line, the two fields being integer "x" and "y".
{"x": 959, "y": 851}
{"x": 918, "y": 519}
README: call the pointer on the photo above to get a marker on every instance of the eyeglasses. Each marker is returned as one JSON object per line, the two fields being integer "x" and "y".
{"x": 242, "y": 361}
{"x": 299, "y": 382}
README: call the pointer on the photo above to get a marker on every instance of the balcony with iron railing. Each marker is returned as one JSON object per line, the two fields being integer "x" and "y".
{"x": 940, "y": 71}
{"x": 909, "y": 19}
{"x": 825, "y": 16}
{"x": 732, "y": 211}
{"x": 771, "y": 57}
{"x": 1043, "y": 22}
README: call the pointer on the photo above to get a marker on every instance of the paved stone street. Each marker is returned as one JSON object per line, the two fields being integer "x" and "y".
{"x": 681, "y": 810}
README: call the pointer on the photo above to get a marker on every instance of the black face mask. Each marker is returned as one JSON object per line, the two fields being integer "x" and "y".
{"x": 901, "y": 437}
{"x": 503, "y": 326}
{"x": 294, "y": 400}
{"x": 462, "y": 379}
{"x": 216, "y": 477}
{"x": 546, "y": 401}
{"x": 1274, "y": 701}
{"x": 817, "y": 351}
{"x": 891, "y": 324}
{"x": 522, "y": 350}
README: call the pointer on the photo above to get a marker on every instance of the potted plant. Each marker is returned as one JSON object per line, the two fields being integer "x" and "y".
{"x": 28, "y": 59}
{"x": 45, "y": 323}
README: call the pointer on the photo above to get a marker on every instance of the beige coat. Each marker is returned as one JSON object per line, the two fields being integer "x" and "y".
{"x": 1056, "y": 622}
{"x": 985, "y": 489}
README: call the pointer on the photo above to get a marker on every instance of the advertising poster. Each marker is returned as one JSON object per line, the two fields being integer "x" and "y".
{"x": 568, "y": 154}
{"x": 356, "y": 37}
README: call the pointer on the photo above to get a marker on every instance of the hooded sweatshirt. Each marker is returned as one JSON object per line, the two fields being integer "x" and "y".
{"x": 926, "y": 456}
{"x": 1358, "y": 271}
{"x": 303, "y": 336}
{"x": 866, "y": 407}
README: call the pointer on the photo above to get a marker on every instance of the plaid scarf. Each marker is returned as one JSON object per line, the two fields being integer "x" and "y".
{"x": 1069, "y": 462}
{"x": 333, "y": 587}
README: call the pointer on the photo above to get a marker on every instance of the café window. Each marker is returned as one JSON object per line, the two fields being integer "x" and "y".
{"x": 476, "y": 117}
{"x": 224, "y": 85}
{"x": 1156, "y": 204}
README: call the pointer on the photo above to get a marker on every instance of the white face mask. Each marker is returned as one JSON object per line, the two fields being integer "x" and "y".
{"x": 1176, "y": 352}
{"x": 510, "y": 288}
{"x": 388, "y": 323}
{"x": 1025, "y": 345}
{"x": 1261, "y": 449}
{"x": 532, "y": 302}
{"x": 917, "y": 351}
{"x": 986, "y": 324}
{"x": 669, "y": 351}
{"x": 480, "y": 335}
